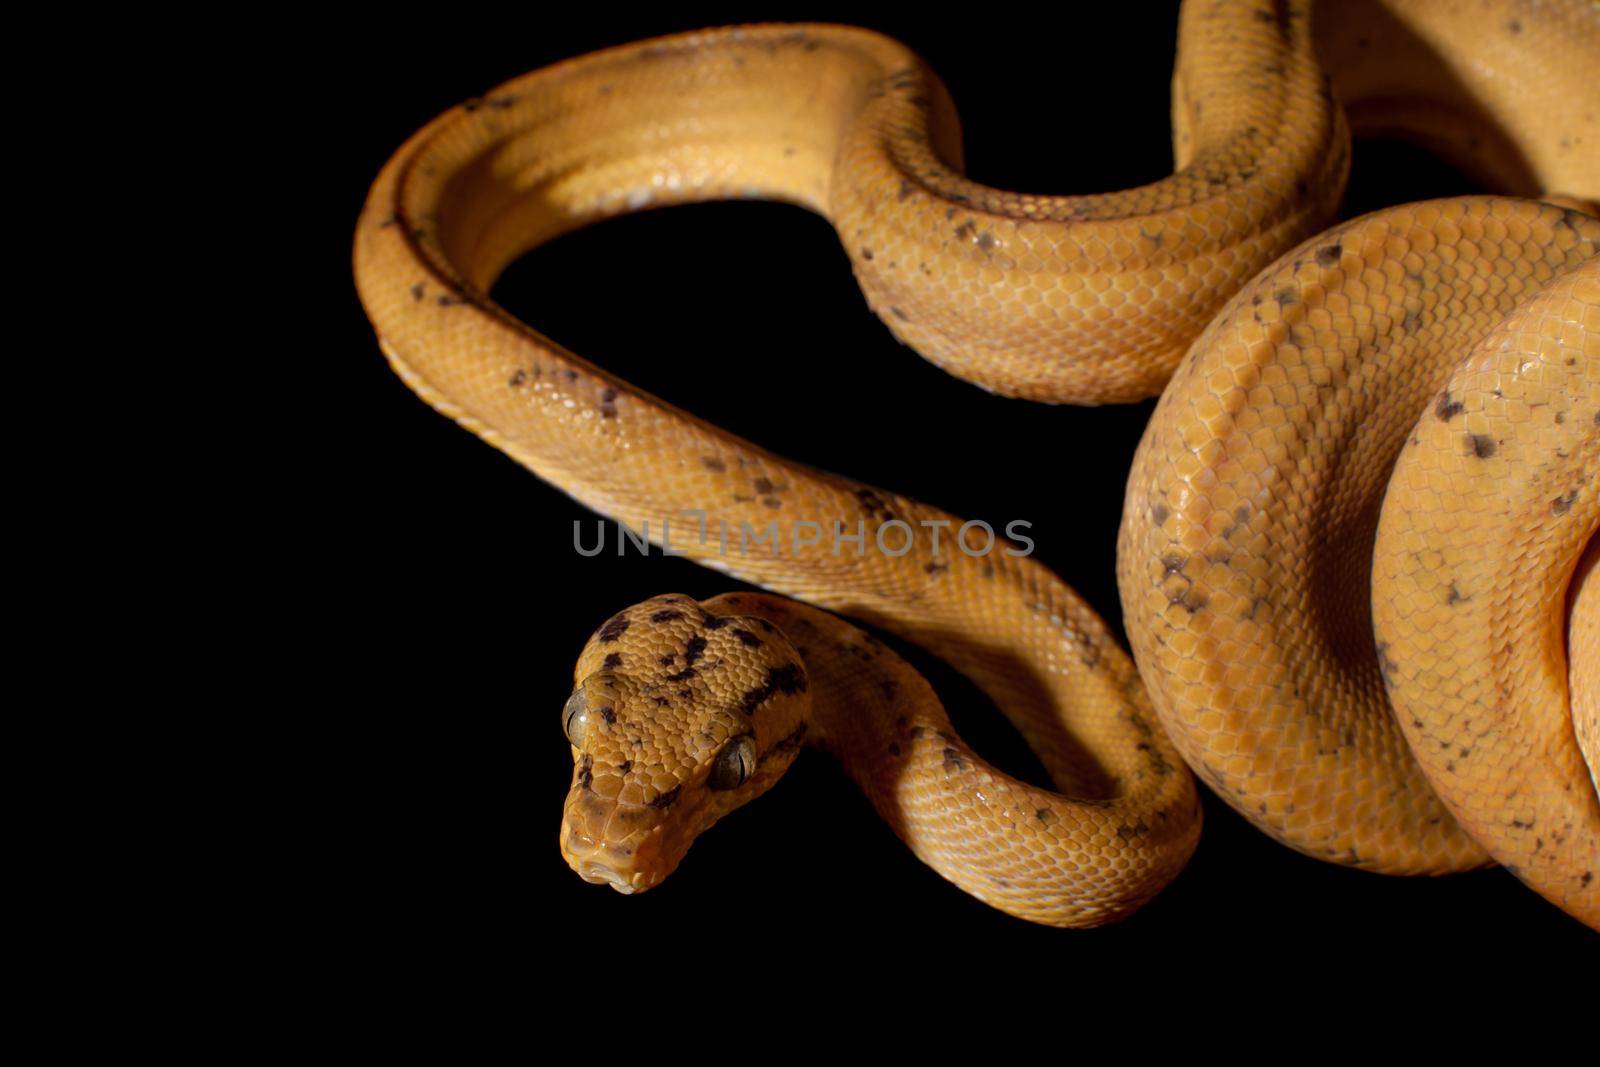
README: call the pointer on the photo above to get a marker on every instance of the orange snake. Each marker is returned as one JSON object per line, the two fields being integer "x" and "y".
{"x": 1255, "y": 504}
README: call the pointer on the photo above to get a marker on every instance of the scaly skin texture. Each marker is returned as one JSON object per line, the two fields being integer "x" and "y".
{"x": 1084, "y": 299}
{"x": 1491, "y": 503}
{"x": 1245, "y": 555}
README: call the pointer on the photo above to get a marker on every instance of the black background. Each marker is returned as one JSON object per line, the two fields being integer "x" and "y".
{"x": 457, "y": 604}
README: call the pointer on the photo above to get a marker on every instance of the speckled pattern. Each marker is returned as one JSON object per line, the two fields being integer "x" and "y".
{"x": 1245, "y": 556}
{"x": 1491, "y": 503}
{"x": 1070, "y": 299}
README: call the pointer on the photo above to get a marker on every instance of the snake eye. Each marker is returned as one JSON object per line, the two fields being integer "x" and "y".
{"x": 575, "y": 718}
{"x": 735, "y": 763}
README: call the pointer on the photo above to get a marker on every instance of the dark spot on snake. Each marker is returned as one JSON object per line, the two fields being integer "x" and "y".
{"x": 1515, "y": 25}
{"x": 873, "y": 504}
{"x": 986, "y": 241}
{"x": 965, "y": 230}
{"x": 1588, "y": 876}
{"x": 417, "y": 290}
{"x": 1386, "y": 665}
{"x": 625, "y": 766}
{"x": 667, "y": 799}
{"x": 1174, "y": 564}
{"x": 1563, "y": 504}
{"x": 449, "y": 300}
{"x": 693, "y": 650}
{"x": 1286, "y": 296}
{"x": 788, "y": 743}
{"x": 683, "y": 676}
{"x": 894, "y": 748}
{"x": 1455, "y": 595}
{"x": 712, "y": 463}
{"x": 1158, "y": 762}
{"x": 518, "y": 379}
{"x": 586, "y": 771}
{"x": 613, "y": 629}
{"x": 747, "y": 639}
{"x": 1412, "y": 320}
{"x": 714, "y": 622}
{"x": 609, "y": 714}
{"x": 1448, "y": 407}
{"x": 866, "y": 253}
{"x": 1328, "y": 255}
{"x": 935, "y": 567}
{"x": 668, "y": 615}
{"x": 612, "y": 661}
{"x": 788, "y": 679}
{"x": 764, "y": 486}
{"x": 668, "y": 659}
{"x": 905, "y": 189}
{"x": 607, "y": 408}
{"x": 953, "y": 761}
{"x": 889, "y": 689}
{"x": 901, "y": 315}
{"x": 1482, "y": 445}
{"x": 569, "y": 374}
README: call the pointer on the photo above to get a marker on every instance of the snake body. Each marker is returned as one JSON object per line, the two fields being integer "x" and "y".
{"x": 1246, "y": 552}
{"x": 683, "y": 712}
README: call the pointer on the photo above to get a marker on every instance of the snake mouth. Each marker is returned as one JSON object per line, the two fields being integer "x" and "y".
{"x": 599, "y": 874}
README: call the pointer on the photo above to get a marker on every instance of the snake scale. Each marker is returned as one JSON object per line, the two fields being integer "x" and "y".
{"x": 1357, "y": 551}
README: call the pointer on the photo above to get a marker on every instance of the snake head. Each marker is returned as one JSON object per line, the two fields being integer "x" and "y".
{"x": 681, "y": 713}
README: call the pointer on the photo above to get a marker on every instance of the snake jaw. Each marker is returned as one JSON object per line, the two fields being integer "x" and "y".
{"x": 626, "y": 884}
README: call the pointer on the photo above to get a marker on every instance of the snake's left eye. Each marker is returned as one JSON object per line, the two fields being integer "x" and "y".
{"x": 575, "y": 718}
{"x": 735, "y": 764}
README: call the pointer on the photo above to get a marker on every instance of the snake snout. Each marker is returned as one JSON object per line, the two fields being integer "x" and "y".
{"x": 629, "y": 865}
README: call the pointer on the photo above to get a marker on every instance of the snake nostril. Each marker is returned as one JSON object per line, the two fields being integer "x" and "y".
{"x": 577, "y": 843}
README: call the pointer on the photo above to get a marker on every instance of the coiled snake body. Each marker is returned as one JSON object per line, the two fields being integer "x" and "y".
{"x": 1258, "y": 553}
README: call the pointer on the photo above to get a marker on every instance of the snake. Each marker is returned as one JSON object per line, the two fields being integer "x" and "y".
{"x": 1319, "y": 654}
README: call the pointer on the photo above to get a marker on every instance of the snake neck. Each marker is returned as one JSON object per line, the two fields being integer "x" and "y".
{"x": 1011, "y": 844}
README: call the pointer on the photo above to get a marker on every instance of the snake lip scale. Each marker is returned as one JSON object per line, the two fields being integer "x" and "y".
{"x": 1356, "y": 553}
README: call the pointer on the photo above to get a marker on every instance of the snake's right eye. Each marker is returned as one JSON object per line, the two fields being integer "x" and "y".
{"x": 735, "y": 764}
{"x": 575, "y": 718}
